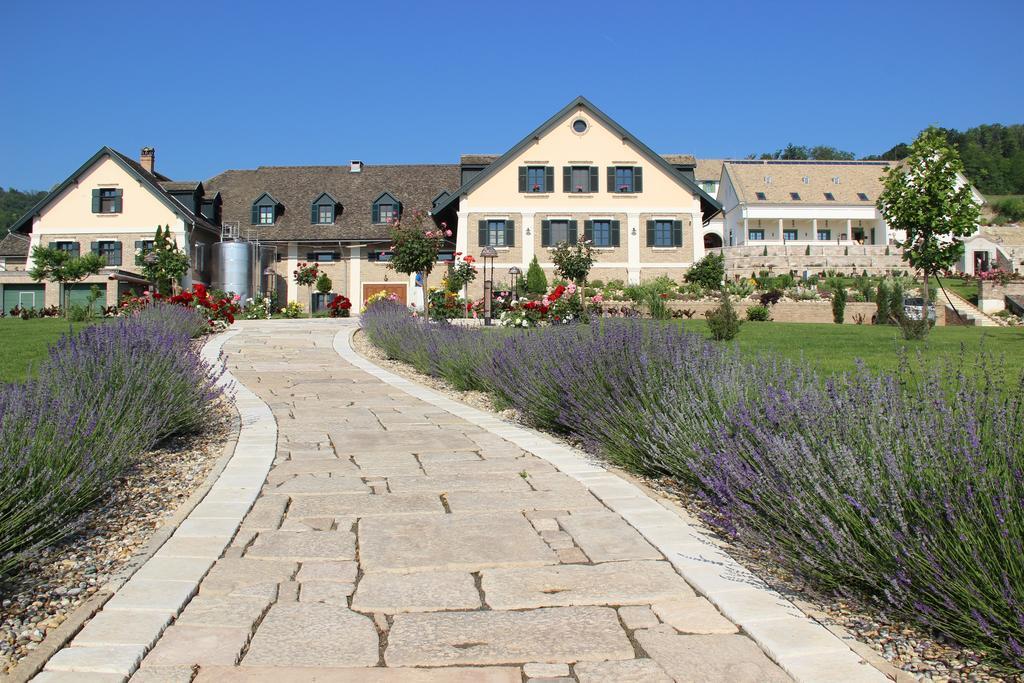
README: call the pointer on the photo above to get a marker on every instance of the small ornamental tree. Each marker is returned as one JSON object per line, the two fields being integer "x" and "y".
{"x": 925, "y": 197}
{"x": 708, "y": 272}
{"x": 536, "y": 280}
{"x": 167, "y": 264}
{"x": 415, "y": 247}
{"x": 60, "y": 267}
{"x": 324, "y": 284}
{"x": 573, "y": 262}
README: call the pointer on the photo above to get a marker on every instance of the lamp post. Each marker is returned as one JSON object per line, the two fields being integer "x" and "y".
{"x": 149, "y": 259}
{"x": 488, "y": 254}
{"x": 514, "y": 274}
{"x": 271, "y": 274}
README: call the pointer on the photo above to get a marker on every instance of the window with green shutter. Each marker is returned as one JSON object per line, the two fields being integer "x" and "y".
{"x": 625, "y": 179}
{"x": 496, "y": 233}
{"x": 579, "y": 178}
{"x": 662, "y": 233}
{"x": 536, "y": 179}
{"x": 599, "y": 232}
{"x": 107, "y": 200}
{"x": 67, "y": 247}
{"x": 110, "y": 250}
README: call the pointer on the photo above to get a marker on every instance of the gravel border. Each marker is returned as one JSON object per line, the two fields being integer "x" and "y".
{"x": 903, "y": 653}
{"x": 71, "y": 580}
{"x": 804, "y": 648}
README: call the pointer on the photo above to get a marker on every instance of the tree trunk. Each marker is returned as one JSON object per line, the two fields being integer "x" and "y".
{"x": 924, "y": 298}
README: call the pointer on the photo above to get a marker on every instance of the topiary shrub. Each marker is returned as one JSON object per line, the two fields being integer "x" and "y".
{"x": 882, "y": 303}
{"x": 723, "y": 321}
{"x": 324, "y": 284}
{"x": 536, "y": 280}
{"x": 839, "y": 305}
{"x": 707, "y": 272}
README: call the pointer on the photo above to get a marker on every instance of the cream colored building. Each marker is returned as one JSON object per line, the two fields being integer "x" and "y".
{"x": 112, "y": 205}
{"x": 580, "y": 174}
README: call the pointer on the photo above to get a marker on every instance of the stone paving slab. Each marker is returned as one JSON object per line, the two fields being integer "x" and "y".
{"x": 605, "y": 537}
{"x": 191, "y": 644}
{"x": 614, "y": 583}
{"x": 366, "y": 505}
{"x": 313, "y": 635}
{"x": 416, "y": 592}
{"x": 289, "y": 674}
{"x": 450, "y": 541}
{"x": 628, "y": 671}
{"x": 303, "y": 546}
{"x": 554, "y": 634}
{"x": 709, "y": 658}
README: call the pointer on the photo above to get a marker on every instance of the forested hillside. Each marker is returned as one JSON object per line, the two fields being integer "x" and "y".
{"x": 13, "y": 204}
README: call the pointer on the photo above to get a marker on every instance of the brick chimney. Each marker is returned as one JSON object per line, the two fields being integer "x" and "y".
{"x": 147, "y": 157}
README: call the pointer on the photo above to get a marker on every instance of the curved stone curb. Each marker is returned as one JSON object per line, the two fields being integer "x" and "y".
{"x": 114, "y": 642}
{"x": 805, "y": 649}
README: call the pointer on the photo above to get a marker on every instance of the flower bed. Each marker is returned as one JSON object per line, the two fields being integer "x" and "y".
{"x": 102, "y": 398}
{"x": 904, "y": 490}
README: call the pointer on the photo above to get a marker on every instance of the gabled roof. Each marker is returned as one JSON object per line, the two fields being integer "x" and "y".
{"x": 709, "y": 205}
{"x": 180, "y": 185}
{"x": 131, "y": 167}
{"x": 320, "y": 196}
{"x": 269, "y": 196}
{"x": 748, "y": 178}
{"x": 14, "y": 245}
{"x": 709, "y": 169}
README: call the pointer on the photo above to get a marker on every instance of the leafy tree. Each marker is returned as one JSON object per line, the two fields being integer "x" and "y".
{"x": 324, "y": 284}
{"x": 803, "y": 153}
{"x": 921, "y": 197}
{"x": 14, "y": 204}
{"x": 166, "y": 263}
{"x": 536, "y": 280}
{"x": 415, "y": 247}
{"x": 708, "y": 272}
{"x": 723, "y": 321}
{"x": 60, "y": 267}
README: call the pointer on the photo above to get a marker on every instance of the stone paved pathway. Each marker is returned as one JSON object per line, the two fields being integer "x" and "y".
{"x": 396, "y": 541}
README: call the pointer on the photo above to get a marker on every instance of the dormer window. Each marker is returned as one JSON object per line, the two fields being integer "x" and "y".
{"x": 322, "y": 210}
{"x": 795, "y": 196}
{"x": 863, "y": 197}
{"x": 830, "y": 197}
{"x": 767, "y": 180}
{"x": 835, "y": 180}
{"x": 806, "y": 180}
{"x": 264, "y": 210}
{"x": 386, "y": 209}
{"x": 761, "y": 196}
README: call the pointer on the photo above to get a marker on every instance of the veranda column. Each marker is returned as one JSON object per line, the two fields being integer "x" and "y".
{"x": 814, "y": 229}
{"x": 849, "y": 230}
{"x": 355, "y": 276}
{"x": 293, "y": 265}
{"x": 746, "y": 230}
{"x": 782, "y": 234}
{"x": 633, "y": 247}
{"x": 527, "y": 234}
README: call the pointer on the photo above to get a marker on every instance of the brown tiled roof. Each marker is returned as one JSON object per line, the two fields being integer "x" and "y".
{"x": 172, "y": 186}
{"x": 708, "y": 169}
{"x": 14, "y": 244}
{"x": 749, "y": 177}
{"x": 295, "y": 188}
{"x": 475, "y": 159}
{"x": 1007, "y": 235}
{"x": 679, "y": 159}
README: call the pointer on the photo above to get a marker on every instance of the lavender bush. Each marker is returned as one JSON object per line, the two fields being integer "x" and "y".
{"x": 905, "y": 489}
{"x": 101, "y": 399}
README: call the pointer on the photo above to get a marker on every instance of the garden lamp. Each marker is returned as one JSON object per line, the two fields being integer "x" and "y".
{"x": 488, "y": 254}
{"x": 514, "y": 274}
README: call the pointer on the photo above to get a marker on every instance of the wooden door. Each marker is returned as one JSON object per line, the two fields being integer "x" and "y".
{"x": 398, "y": 290}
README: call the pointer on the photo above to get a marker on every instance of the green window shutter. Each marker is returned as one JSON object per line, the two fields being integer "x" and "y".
{"x": 572, "y": 232}
{"x": 615, "y": 233}
{"x": 376, "y": 213}
{"x": 650, "y": 233}
{"x": 95, "y": 201}
{"x": 94, "y": 247}
{"x": 549, "y": 178}
{"x": 510, "y": 233}
{"x": 482, "y": 236}
{"x": 545, "y": 233}
{"x": 567, "y": 179}
{"x": 256, "y": 215}
{"x": 51, "y": 245}
{"x": 77, "y": 251}
{"x": 314, "y": 213}
{"x": 588, "y": 231}
{"x": 522, "y": 179}
{"x": 398, "y": 208}
{"x": 118, "y": 195}
{"x": 115, "y": 258}
{"x": 638, "y": 179}
{"x": 611, "y": 179}
{"x": 138, "y": 244}
{"x": 593, "y": 180}
{"x": 677, "y": 233}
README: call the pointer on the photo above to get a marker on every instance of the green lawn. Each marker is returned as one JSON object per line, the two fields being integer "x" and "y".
{"x": 25, "y": 342}
{"x": 966, "y": 289}
{"x": 834, "y": 348}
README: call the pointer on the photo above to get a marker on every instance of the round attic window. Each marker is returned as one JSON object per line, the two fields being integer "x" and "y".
{"x": 579, "y": 126}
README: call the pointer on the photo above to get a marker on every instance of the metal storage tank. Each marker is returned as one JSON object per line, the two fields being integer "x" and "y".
{"x": 232, "y": 268}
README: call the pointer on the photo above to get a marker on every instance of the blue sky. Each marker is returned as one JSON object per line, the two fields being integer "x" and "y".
{"x": 217, "y": 85}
